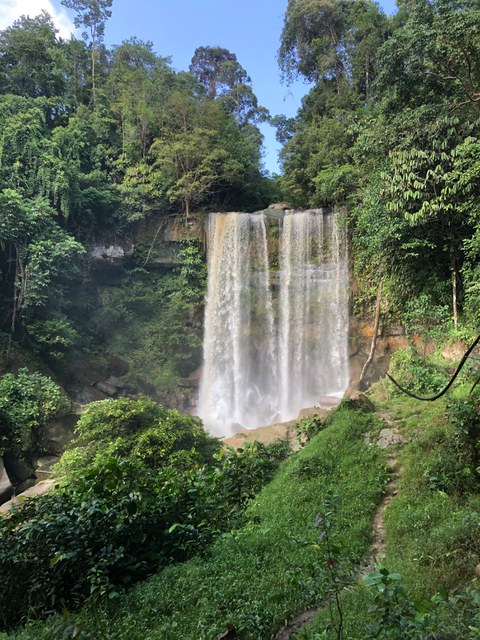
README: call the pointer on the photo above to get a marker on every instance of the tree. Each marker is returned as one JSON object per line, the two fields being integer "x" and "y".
{"x": 368, "y": 29}
{"x": 222, "y": 77}
{"x": 216, "y": 69}
{"x": 92, "y": 15}
{"x": 37, "y": 253}
{"x": 190, "y": 160}
{"x": 32, "y": 60}
{"x": 429, "y": 188}
{"x": 313, "y": 40}
{"x": 139, "y": 85}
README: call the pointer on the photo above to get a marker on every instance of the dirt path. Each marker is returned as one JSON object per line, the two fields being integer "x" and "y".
{"x": 377, "y": 546}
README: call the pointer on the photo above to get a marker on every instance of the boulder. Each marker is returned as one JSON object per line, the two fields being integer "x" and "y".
{"x": 280, "y": 206}
{"x": 6, "y": 488}
{"x": 85, "y": 395}
{"x": 115, "y": 382}
{"x": 265, "y": 435}
{"x": 58, "y": 434}
{"x": 389, "y": 438}
{"x": 107, "y": 389}
{"x": 25, "y": 485}
{"x": 131, "y": 389}
{"x": 116, "y": 365}
{"x": 358, "y": 400}
{"x": 37, "y": 490}
{"x": 18, "y": 470}
{"x": 328, "y": 402}
{"x": 86, "y": 372}
{"x": 111, "y": 253}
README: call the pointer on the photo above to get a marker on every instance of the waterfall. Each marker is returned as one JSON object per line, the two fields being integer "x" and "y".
{"x": 276, "y": 327}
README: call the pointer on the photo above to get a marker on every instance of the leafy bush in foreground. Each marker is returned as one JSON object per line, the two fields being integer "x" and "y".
{"x": 259, "y": 575}
{"x": 118, "y": 523}
{"x": 141, "y": 429}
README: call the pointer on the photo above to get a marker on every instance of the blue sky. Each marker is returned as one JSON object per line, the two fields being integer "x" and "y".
{"x": 251, "y": 29}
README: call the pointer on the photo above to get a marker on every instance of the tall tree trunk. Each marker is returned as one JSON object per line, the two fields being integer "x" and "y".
{"x": 454, "y": 275}
{"x": 373, "y": 345}
{"x": 15, "y": 304}
{"x": 93, "y": 64}
{"x": 367, "y": 75}
{"x": 454, "y": 292}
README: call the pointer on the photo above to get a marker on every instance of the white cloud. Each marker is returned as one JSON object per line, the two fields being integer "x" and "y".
{"x": 10, "y": 10}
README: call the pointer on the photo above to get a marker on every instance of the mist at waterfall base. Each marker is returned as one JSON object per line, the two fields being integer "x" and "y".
{"x": 276, "y": 319}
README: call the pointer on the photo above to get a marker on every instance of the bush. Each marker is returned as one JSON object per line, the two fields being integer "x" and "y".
{"x": 28, "y": 402}
{"x": 308, "y": 427}
{"x": 117, "y": 523}
{"x": 141, "y": 429}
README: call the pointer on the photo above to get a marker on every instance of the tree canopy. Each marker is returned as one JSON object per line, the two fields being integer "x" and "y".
{"x": 386, "y": 129}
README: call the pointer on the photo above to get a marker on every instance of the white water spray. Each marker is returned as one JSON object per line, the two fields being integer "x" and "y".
{"x": 268, "y": 352}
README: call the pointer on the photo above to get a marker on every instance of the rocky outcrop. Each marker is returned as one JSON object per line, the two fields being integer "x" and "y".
{"x": 37, "y": 490}
{"x": 6, "y": 487}
{"x": 89, "y": 381}
{"x": 112, "y": 253}
{"x": 19, "y": 475}
{"x": 280, "y": 206}
{"x": 354, "y": 399}
{"x": 389, "y": 437}
{"x": 58, "y": 434}
{"x": 389, "y": 340}
{"x": 21, "y": 472}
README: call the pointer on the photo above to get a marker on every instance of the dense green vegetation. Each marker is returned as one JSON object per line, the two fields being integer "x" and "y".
{"x": 151, "y": 317}
{"x": 302, "y": 540}
{"x": 427, "y": 587}
{"x": 143, "y": 488}
{"x": 271, "y": 566}
{"x": 28, "y": 403}
{"x": 92, "y": 140}
{"x": 390, "y": 128}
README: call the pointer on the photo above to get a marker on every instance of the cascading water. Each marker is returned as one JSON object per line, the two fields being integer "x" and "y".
{"x": 275, "y": 342}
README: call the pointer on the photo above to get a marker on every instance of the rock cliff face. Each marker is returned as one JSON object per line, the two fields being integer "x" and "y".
{"x": 390, "y": 339}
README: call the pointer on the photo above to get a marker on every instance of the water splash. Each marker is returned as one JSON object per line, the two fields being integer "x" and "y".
{"x": 274, "y": 342}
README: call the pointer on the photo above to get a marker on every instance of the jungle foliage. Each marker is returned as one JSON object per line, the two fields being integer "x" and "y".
{"x": 390, "y": 130}
{"x": 93, "y": 139}
{"x": 144, "y": 488}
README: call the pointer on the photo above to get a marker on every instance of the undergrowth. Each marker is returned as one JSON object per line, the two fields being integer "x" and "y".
{"x": 258, "y": 576}
{"x": 426, "y": 587}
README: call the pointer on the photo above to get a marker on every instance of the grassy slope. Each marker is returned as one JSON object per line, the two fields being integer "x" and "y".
{"x": 433, "y": 535}
{"x": 260, "y": 576}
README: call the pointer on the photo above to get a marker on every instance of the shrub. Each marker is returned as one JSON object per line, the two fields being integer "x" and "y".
{"x": 117, "y": 523}
{"x": 28, "y": 402}
{"x": 308, "y": 427}
{"x": 417, "y": 373}
{"x": 142, "y": 429}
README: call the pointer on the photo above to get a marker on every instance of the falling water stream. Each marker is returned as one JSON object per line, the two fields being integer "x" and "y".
{"x": 276, "y": 320}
